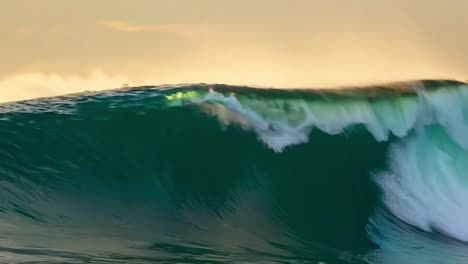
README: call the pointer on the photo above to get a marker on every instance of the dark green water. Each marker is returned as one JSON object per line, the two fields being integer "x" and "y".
{"x": 220, "y": 174}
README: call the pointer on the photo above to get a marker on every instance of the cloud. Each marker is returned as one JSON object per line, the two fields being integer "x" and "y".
{"x": 134, "y": 28}
{"x": 32, "y": 85}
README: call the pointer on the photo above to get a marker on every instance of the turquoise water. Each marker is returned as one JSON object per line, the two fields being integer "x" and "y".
{"x": 223, "y": 174}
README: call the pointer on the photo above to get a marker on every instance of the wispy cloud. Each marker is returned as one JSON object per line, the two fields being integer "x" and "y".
{"x": 133, "y": 28}
{"x": 24, "y": 31}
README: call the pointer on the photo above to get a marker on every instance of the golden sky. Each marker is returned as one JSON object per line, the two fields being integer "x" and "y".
{"x": 51, "y": 47}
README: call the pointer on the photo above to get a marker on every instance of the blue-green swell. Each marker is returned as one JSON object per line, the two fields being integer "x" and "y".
{"x": 223, "y": 174}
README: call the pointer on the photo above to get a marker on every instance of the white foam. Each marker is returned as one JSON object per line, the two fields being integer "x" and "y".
{"x": 282, "y": 122}
{"x": 427, "y": 183}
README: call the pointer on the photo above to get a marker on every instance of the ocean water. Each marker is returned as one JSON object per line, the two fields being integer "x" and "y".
{"x": 222, "y": 174}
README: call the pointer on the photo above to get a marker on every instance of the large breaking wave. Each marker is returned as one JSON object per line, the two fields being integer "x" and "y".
{"x": 215, "y": 173}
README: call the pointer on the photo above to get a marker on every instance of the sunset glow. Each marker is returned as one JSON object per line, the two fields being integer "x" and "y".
{"x": 53, "y": 47}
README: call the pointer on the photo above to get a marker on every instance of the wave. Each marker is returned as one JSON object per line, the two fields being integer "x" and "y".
{"x": 217, "y": 173}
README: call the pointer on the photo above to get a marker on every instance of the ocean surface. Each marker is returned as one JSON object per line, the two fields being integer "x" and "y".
{"x": 221, "y": 174}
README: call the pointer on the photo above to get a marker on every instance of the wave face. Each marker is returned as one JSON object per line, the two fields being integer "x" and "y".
{"x": 216, "y": 174}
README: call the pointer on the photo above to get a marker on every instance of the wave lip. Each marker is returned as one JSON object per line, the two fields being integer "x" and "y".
{"x": 288, "y": 118}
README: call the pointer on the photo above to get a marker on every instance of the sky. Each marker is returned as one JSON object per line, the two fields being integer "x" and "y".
{"x": 52, "y": 47}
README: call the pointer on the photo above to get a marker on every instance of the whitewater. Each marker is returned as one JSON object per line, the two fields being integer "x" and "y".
{"x": 218, "y": 173}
